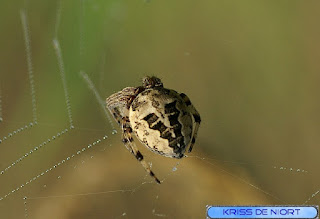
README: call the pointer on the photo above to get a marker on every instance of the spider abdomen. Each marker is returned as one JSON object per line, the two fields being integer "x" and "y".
{"x": 161, "y": 120}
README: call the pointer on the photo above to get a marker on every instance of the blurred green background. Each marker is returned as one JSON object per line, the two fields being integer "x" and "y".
{"x": 251, "y": 68}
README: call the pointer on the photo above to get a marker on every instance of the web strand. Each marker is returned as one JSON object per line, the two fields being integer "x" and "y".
{"x": 60, "y": 133}
{"x": 238, "y": 178}
{"x": 281, "y": 168}
{"x": 67, "y": 99}
{"x": 33, "y": 150}
{"x": 25, "y": 208}
{"x": 97, "y": 96}
{"x": 131, "y": 191}
{"x": 312, "y": 197}
{"x": 57, "y": 48}
{"x": 26, "y": 35}
{"x": 31, "y": 180}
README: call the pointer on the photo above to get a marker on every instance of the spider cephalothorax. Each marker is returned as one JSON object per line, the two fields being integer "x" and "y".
{"x": 151, "y": 82}
{"x": 162, "y": 119}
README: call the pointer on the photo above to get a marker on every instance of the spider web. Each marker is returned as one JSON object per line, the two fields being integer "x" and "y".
{"x": 61, "y": 154}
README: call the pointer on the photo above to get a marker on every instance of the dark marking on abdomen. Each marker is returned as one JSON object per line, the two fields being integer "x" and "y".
{"x": 177, "y": 142}
{"x": 170, "y": 108}
{"x": 159, "y": 126}
{"x": 151, "y": 118}
{"x": 197, "y": 118}
{"x": 185, "y": 99}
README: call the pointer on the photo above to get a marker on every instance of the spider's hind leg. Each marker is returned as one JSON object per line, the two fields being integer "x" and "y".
{"x": 131, "y": 146}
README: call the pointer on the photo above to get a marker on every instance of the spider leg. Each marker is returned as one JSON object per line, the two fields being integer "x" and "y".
{"x": 118, "y": 104}
{"x": 119, "y": 115}
{"x": 131, "y": 146}
{"x": 196, "y": 117}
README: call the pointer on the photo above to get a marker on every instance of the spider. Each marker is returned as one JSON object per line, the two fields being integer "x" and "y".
{"x": 162, "y": 119}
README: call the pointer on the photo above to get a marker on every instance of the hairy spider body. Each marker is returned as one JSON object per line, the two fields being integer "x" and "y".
{"x": 163, "y": 120}
{"x": 160, "y": 119}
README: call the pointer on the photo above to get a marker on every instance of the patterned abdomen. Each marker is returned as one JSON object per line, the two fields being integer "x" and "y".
{"x": 161, "y": 121}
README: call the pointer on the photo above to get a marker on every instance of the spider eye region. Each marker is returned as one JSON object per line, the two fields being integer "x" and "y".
{"x": 162, "y": 122}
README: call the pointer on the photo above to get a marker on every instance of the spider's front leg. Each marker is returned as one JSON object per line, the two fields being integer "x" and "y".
{"x": 196, "y": 117}
{"x": 131, "y": 146}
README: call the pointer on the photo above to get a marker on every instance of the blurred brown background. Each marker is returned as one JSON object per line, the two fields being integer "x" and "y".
{"x": 251, "y": 68}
